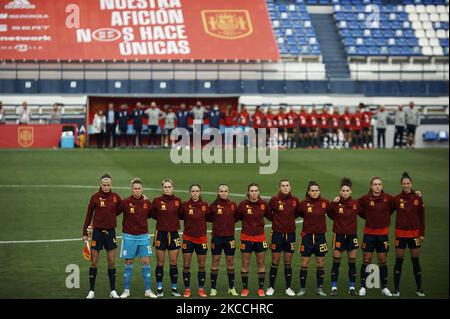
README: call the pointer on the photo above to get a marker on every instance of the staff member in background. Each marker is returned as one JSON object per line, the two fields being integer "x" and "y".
{"x": 166, "y": 209}
{"x": 222, "y": 215}
{"x": 344, "y": 212}
{"x": 135, "y": 238}
{"x": 376, "y": 208}
{"x": 194, "y": 212}
{"x": 2, "y": 113}
{"x": 137, "y": 115}
{"x": 400, "y": 124}
{"x": 111, "y": 120}
{"x": 102, "y": 208}
{"x": 313, "y": 210}
{"x": 409, "y": 232}
{"x": 282, "y": 208}
{"x": 123, "y": 124}
{"x": 251, "y": 212}
{"x": 382, "y": 117}
{"x": 99, "y": 127}
{"x": 412, "y": 122}
{"x": 55, "y": 115}
{"x": 24, "y": 113}
{"x": 154, "y": 114}
{"x": 169, "y": 125}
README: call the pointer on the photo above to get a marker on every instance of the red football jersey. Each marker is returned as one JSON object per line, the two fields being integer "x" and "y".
{"x": 313, "y": 120}
{"x": 324, "y": 120}
{"x": 347, "y": 120}
{"x": 356, "y": 122}
{"x": 258, "y": 119}
{"x": 335, "y": 118}
{"x": 303, "y": 119}
{"x": 270, "y": 120}
{"x": 291, "y": 118}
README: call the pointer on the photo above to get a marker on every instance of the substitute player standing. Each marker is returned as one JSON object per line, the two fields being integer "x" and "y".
{"x": 102, "y": 207}
{"x": 165, "y": 209}
{"x": 283, "y": 207}
{"x": 135, "y": 238}
{"x": 313, "y": 210}
{"x": 251, "y": 212}
{"x": 409, "y": 232}
{"x": 344, "y": 212}
{"x": 222, "y": 215}
{"x": 376, "y": 208}
{"x": 194, "y": 212}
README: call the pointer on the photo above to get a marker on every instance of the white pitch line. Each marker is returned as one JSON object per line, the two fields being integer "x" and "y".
{"x": 79, "y": 239}
{"x": 115, "y": 187}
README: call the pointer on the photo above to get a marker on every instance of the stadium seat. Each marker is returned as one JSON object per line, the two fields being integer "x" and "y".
{"x": 430, "y": 136}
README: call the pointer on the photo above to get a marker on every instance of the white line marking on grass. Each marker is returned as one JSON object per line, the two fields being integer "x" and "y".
{"x": 79, "y": 239}
{"x": 115, "y": 187}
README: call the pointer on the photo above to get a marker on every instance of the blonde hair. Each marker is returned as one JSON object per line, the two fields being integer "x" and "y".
{"x": 167, "y": 180}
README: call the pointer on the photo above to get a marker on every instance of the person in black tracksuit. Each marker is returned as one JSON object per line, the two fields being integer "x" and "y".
{"x": 137, "y": 115}
{"x": 123, "y": 123}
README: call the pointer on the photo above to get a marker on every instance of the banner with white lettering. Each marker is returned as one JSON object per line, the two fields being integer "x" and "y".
{"x": 136, "y": 30}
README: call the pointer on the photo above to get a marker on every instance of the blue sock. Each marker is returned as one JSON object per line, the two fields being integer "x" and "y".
{"x": 146, "y": 275}
{"x": 127, "y": 274}
{"x": 159, "y": 285}
{"x": 334, "y": 284}
{"x": 174, "y": 286}
{"x": 352, "y": 285}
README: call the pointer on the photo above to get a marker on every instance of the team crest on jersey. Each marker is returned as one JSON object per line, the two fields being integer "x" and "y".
{"x": 177, "y": 203}
{"x": 163, "y": 207}
{"x": 262, "y": 207}
{"x": 280, "y": 205}
{"x": 145, "y": 206}
{"x": 191, "y": 211}
{"x": 341, "y": 210}
{"x": 132, "y": 210}
{"x": 203, "y": 208}
{"x": 114, "y": 199}
{"x": 324, "y": 205}
{"x": 416, "y": 202}
{"x": 227, "y": 24}
{"x": 355, "y": 206}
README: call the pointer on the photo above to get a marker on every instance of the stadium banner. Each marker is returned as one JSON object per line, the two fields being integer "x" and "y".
{"x": 30, "y": 136}
{"x": 136, "y": 30}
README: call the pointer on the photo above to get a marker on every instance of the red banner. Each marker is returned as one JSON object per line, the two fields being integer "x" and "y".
{"x": 136, "y": 29}
{"x": 31, "y": 136}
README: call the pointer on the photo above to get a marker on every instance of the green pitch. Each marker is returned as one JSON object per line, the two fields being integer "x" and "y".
{"x": 56, "y": 210}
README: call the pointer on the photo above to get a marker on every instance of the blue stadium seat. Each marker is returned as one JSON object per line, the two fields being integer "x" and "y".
{"x": 430, "y": 136}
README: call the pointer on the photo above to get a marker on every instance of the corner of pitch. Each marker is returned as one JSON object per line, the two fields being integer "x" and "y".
{"x": 220, "y": 150}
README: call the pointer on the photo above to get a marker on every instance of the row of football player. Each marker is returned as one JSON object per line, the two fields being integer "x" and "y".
{"x": 282, "y": 210}
{"x": 312, "y": 127}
